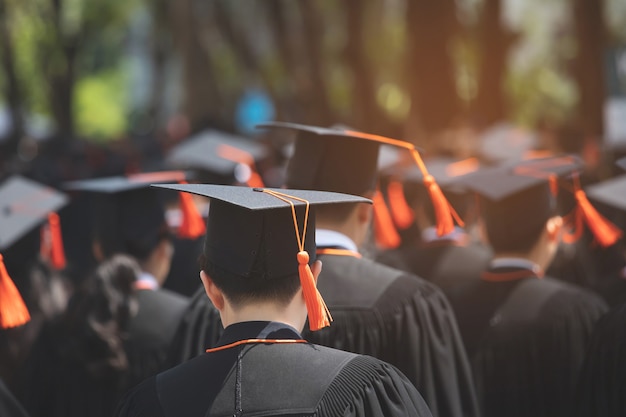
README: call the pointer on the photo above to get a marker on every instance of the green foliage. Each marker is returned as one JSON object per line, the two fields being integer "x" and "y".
{"x": 101, "y": 103}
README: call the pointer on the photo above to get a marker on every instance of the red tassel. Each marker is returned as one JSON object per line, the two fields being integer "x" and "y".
{"x": 52, "y": 242}
{"x": 605, "y": 232}
{"x": 386, "y": 235}
{"x": 444, "y": 213}
{"x": 13, "y": 311}
{"x": 402, "y": 214}
{"x": 318, "y": 313}
{"x": 192, "y": 224}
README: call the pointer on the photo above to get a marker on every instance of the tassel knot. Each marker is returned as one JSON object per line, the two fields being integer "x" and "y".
{"x": 303, "y": 257}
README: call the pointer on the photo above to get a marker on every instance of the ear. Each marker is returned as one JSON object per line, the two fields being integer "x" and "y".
{"x": 212, "y": 291}
{"x": 553, "y": 228}
{"x": 96, "y": 249}
{"x": 364, "y": 212}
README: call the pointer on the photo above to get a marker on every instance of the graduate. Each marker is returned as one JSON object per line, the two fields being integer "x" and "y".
{"x": 390, "y": 314}
{"x": 32, "y": 255}
{"x": 453, "y": 261}
{"x": 259, "y": 272}
{"x": 119, "y": 324}
{"x": 525, "y": 332}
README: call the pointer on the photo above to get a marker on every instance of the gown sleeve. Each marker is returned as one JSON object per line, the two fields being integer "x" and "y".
{"x": 141, "y": 401}
{"x": 367, "y": 387}
{"x": 9, "y": 406}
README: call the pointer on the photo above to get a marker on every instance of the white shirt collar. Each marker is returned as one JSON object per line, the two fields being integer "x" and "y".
{"x": 148, "y": 280}
{"x": 514, "y": 263}
{"x": 325, "y": 238}
{"x": 430, "y": 235}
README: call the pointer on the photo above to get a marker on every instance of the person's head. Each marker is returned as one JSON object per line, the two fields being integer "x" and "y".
{"x": 519, "y": 215}
{"x": 251, "y": 256}
{"x": 128, "y": 217}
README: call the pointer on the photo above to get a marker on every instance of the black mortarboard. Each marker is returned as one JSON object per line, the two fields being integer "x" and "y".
{"x": 251, "y": 233}
{"x": 219, "y": 157}
{"x": 330, "y": 159}
{"x": 24, "y": 205}
{"x": 129, "y": 215}
{"x": 504, "y": 143}
{"x": 446, "y": 171}
{"x": 611, "y": 192}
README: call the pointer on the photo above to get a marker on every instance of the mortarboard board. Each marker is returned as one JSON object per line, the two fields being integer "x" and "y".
{"x": 24, "y": 206}
{"x": 129, "y": 215}
{"x": 221, "y": 158}
{"x": 250, "y": 231}
{"x": 611, "y": 192}
{"x": 505, "y": 143}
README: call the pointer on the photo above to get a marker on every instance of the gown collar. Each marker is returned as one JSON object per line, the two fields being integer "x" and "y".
{"x": 257, "y": 330}
{"x": 325, "y": 238}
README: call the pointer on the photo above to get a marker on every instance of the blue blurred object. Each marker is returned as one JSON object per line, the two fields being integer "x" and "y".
{"x": 254, "y": 107}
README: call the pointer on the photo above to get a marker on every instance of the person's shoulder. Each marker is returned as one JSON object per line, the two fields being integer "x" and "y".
{"x": 141, "y": 401}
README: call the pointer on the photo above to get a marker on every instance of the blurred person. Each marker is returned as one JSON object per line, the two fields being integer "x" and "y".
{"x": 454, "y": 261}
{"x": 31, "y": 248}
{"x": 525, "y": 332}
{"x": 380, "y": 311}
{"x": 213, "y": 157}
{"x": 258, "y": 273}
{"x": 104, "y": 344}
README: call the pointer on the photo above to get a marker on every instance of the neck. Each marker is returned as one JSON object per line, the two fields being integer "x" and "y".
{"x": 293, "y": 314}
{"x": 537, "y": 255}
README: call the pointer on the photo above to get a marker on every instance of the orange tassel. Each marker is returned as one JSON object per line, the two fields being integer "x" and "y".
{"x": 386, "y": 235}
{"x": 13, "y": 311}
{"x": 52, "y": 242}
{"x": 255, "y": 180}
{"x": 319, "y": 315}
{"x": 192, "y": 224}
{"x": 402, "y": 214}
{"x": 444, "y": 213}
{"x": 605, "y": 232}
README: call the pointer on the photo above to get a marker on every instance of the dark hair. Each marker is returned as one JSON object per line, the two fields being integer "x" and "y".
{"x": 258, "y": 287}
{"x": 98, "y": 316}
{"x": 335, "y": 213}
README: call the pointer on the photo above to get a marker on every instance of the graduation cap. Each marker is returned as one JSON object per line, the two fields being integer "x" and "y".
{"x": 129, "y": 215}
{"x": 24, "y": 206}
{"x": 563, "y": 172}
{"x": 265, "y": 234}
{"x": 340, "y": 160}
{"x": 505, "y": 143}
{"x": 221, "y": 158}
{"x": 446, "y": 171}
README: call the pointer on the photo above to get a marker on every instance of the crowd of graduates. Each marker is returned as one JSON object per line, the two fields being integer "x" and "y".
{"x": 494, "y": 281}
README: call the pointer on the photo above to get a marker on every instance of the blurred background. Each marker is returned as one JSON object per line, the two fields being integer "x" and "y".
{"x": 99, "y": 87}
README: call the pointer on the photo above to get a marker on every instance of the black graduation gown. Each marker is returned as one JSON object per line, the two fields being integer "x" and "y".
{"x": 275, "y": 379}
{"x": 601, "y": 387}
{"x": 452, "y": 266}
{"x": 199, "y": 328}
{"x": 9, "y": 406}
{"x": 58, "y": 384}
{"x": 401, "y": 319}
{"x": 526, "y": 338}
{"x": 152, "y": 330}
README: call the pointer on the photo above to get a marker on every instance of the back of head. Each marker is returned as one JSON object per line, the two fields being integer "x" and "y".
{"x": 98, "y": 316}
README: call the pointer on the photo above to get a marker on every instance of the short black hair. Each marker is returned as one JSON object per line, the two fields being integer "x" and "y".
{"x": 241, "y": 290}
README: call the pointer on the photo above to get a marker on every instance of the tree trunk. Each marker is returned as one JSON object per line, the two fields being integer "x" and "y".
{"x": 430, "y": 72}
{"x": 494, "y": 40}
{"x": 12, "y": 90}
{"x": 589, "y": 65}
